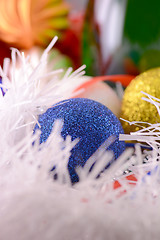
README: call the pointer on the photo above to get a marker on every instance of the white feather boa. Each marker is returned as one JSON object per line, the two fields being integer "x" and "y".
{"x": 33, "y": 205}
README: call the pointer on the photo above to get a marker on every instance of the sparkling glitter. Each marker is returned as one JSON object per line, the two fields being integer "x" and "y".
{"x": 87, "y": 120}
{"x": 134, "y": 108}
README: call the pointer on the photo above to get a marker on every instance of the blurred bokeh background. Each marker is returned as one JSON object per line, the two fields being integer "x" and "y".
{"x": 109, "y": 36}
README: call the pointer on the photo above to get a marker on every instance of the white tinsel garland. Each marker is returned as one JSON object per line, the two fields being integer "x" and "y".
{"x": 35, "y": 206}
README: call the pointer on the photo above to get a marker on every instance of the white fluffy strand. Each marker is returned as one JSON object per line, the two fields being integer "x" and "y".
{"x": 36, "y": 206}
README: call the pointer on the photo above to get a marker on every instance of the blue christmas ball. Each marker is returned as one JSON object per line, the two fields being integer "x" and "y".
{"x": 87, "y": 120}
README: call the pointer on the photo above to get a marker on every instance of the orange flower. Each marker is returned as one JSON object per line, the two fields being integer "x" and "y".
{"x": 24, "y": 23}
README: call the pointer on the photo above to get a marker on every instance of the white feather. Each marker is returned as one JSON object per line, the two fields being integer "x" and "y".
{"x": 35, "y": 206}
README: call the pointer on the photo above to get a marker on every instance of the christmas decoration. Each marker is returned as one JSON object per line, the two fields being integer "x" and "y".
{"x": 134, "y": 108}
{"x": 84, "y": 119}
{"x": 123, "y": 202}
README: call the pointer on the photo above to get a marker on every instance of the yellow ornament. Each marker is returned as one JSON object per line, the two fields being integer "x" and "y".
{"x": 134, "y": 108}
{"x": 25, "y": 23}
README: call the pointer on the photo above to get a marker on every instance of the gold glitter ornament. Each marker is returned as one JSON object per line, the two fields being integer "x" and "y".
{"x": 134, "y": 108}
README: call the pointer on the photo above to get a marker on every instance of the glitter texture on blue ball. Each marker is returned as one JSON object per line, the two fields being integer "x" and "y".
{"x": 3, "y": 93}
{"x": 87, "y": 120}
